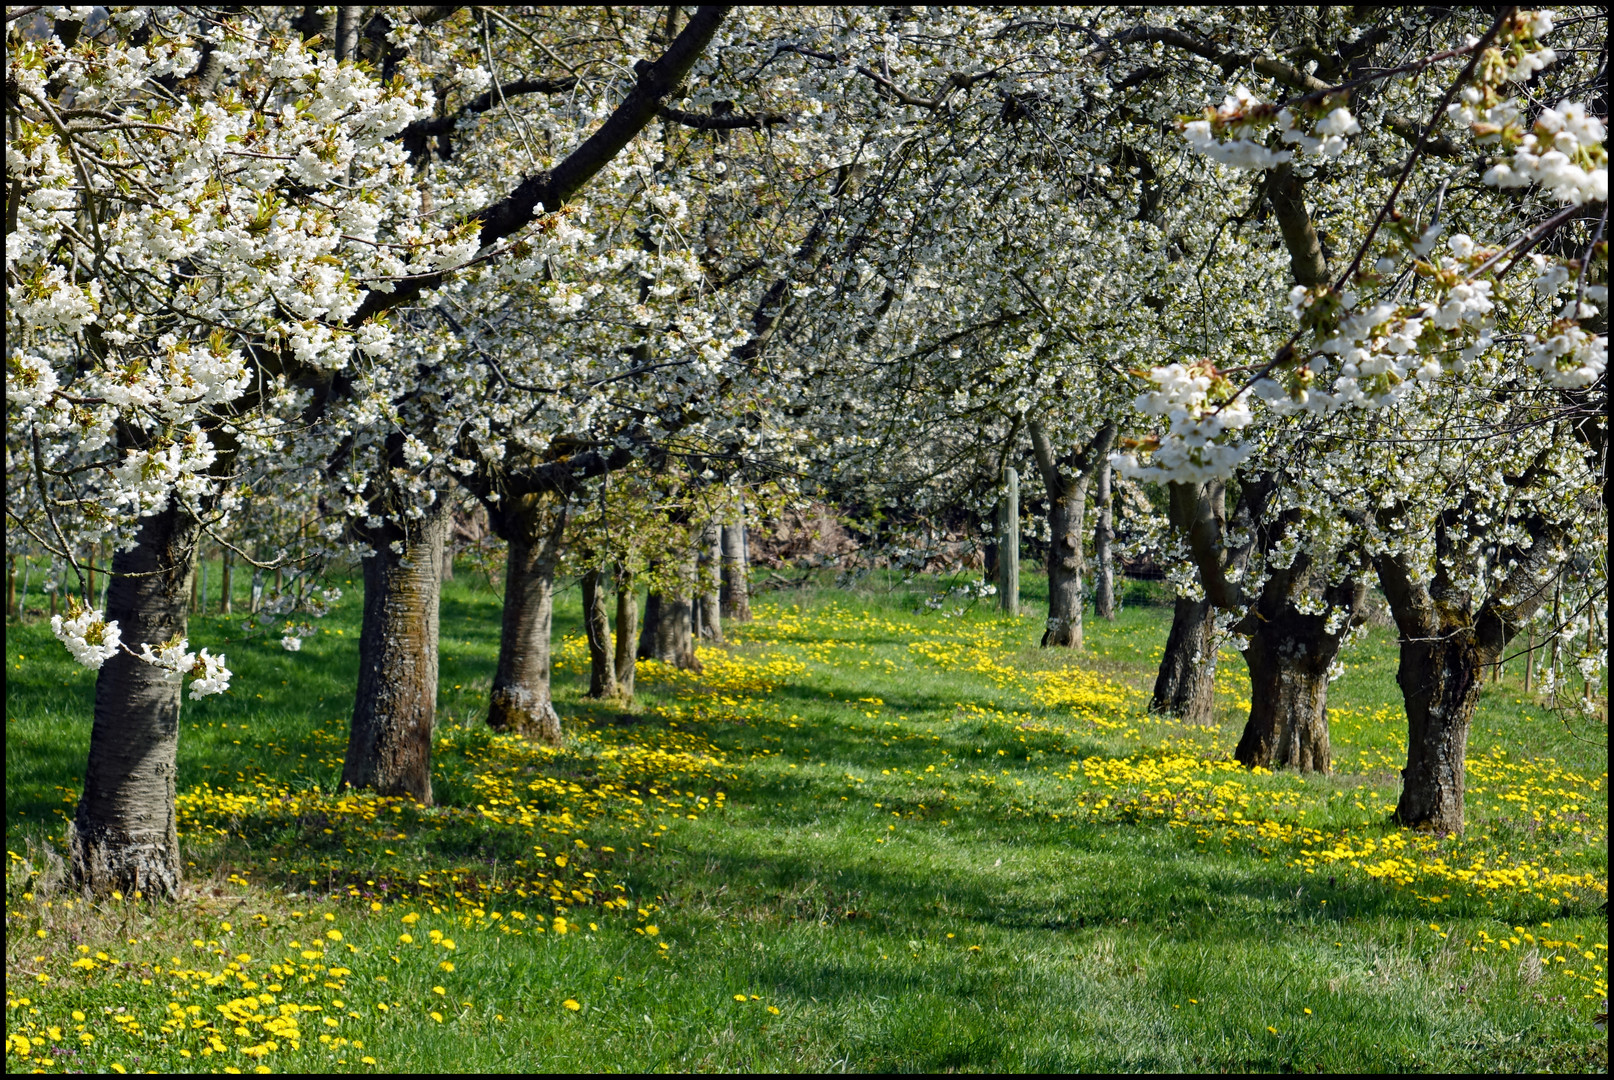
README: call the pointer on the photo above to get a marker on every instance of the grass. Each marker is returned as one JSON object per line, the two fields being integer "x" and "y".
{"x": 865, "y": 838}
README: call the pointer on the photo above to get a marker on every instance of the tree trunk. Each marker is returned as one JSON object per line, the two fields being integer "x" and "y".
{"x": 1289, "y": 656}
{"x": 123, "y": 835}
{"x": 395, "y": 708}
{"x": 1103, "y": 536}
{"x": 1065, "y": 566}
{"x": 597, "y": 628}
{"x": 448, "y": 560}
{"x": 709, "y": 569}
{"x": 736, "y": 595}
{"x": 520, "y": 700}
{"x": 627, "y": 613}
{"x": 1440, "y": 684}
{"x": 674, "y": 641}
{"x": 1066, "y": 481}
{"x": 1009, "y": 545}
{"x": 647, "y": 632}
{"x": 11, "y": 587}
{"x": 1288, "y": 722}
{"x": 1186, "y": 684}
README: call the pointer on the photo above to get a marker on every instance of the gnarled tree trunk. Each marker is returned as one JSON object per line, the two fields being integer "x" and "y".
{"x": 123, "y": 835}
{"x": 520, "y": 701}
{"x": 1445, "y": 647}
{"x": 1185, "y": 686}
{"x": 1289, "y": 655}
{"x": 395, "y": 708}
{"x": 1066, "y": 481}
{"x": 597, "y": 628}
{"x": 1440, "y": 684}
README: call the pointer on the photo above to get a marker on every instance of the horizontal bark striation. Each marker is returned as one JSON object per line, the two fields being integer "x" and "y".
{"x": 395, "y": 707}
{"x": 124, "y": 834}
{"x": 1185, "y": 686}
{"x": 520, "y": 700}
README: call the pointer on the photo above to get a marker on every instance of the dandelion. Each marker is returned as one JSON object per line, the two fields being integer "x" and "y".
{"x": 569, "y": 1003}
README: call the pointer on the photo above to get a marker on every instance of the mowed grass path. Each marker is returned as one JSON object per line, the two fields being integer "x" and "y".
{"x": 865, "y": 838}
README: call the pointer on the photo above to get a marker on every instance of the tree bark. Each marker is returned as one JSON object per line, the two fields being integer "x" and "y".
{"x": 597, "y": 628}
{"x": 395, "y": 707}
{"x": 648, "y": 629}
{"x": 1009, "y": 544}
{"x": 673, "y": 642}
{"x": 124, "y": 835}
{"x": 520, "y": 701}
{"x": 736, "y": 594}
{"x": 1289, "y": 655}
{"x": 709, "y": 570}
{"x": 1440, "y": 686}
{"x": 1103, "y": 538}
{"x": 1445, "y": 645}
{"x": 1067, "y": 481}
{"x": 627, "y": 613}
{"x": 1186, "y": 684}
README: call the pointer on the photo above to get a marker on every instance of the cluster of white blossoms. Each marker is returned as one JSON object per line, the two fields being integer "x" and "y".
{"x": 88, "y": 636}
{"x": 1205, "y": 416}
{"x": 209, "y": 675}
{"x": 1228, "y": 134}
{"x": 1564, "y": 152}
{"x": 92, "y": 640}
{"x": 1568, "y": 355}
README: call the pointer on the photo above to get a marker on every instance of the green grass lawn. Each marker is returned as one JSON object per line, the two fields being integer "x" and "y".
{"x": 867, "y": 837}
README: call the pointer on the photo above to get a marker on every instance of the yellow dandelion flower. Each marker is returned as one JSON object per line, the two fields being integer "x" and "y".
{"x": 572, "y": 1005}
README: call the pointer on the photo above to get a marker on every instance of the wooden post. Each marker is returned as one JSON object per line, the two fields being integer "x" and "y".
{"x": 1530, "y": 658}
{"x": 1009, "y": 543}
{"x": 225, "y": 582}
